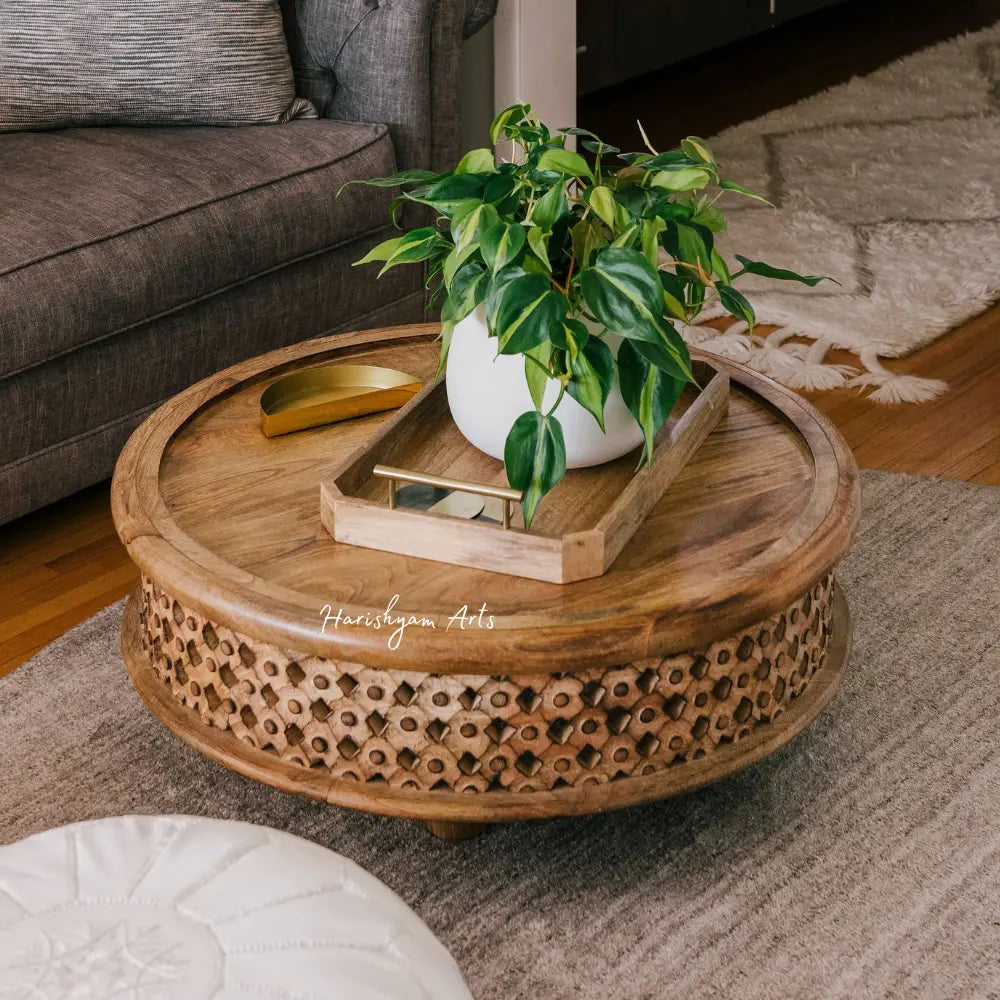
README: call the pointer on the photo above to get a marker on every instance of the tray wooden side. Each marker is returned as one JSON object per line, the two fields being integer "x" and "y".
{"x": 354, "y": 508}
{"x": 677, "y": 441}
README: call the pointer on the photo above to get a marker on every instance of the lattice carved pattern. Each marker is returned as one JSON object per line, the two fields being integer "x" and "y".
{"x": 475, "y": 733}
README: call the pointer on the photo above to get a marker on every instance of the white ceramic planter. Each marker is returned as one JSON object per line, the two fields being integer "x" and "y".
{"x": 487, "y": 392}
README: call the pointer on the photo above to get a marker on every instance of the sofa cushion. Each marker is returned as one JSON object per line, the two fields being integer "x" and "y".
{"x": 144, "y": 62}
{"x": 103, "y": 229}
{"x": 95, "y": 384}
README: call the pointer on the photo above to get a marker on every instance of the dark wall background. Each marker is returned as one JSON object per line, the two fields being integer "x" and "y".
{"x": 621, "y": 39}
{"x": 719, "y": 62}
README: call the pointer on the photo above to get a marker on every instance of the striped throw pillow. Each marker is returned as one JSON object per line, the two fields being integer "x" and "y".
{"x": 144, "y": 62}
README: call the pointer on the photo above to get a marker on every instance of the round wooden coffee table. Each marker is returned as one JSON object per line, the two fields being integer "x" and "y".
{"x": 717, "y": 635}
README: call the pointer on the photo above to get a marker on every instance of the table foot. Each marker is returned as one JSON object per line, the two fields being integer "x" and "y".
{"x": 447, "y": 830}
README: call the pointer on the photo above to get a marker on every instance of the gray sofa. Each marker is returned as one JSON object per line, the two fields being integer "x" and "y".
{"x": 135, "y": 261}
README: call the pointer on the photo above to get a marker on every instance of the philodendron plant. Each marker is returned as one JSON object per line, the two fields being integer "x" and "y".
{"x": 549, "y": 241}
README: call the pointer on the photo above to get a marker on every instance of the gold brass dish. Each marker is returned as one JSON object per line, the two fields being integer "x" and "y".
{"x": 333, "y": 392}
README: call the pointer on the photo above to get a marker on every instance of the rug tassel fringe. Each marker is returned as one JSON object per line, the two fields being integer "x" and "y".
{"x": 731, "y": 344}
{"x": 811, "y": 371}
{"x": 894, "y": 388}
{"x": 803, "y": 366}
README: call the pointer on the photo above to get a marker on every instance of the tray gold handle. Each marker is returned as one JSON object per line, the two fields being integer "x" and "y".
{"x": 394, "y": 475}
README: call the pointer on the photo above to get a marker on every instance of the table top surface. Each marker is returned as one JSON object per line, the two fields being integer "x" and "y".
{"x": 227, "y": 521}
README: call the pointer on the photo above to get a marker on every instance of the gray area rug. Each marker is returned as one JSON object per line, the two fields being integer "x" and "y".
{"x": 861, "y": 861}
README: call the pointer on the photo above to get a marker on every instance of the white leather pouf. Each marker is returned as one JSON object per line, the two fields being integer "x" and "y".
{"x": 179, "y": 908}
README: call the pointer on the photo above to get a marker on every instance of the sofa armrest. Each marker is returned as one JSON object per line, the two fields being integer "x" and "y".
{"x": 395, "y": 62}
{"x": 477, "y": 14}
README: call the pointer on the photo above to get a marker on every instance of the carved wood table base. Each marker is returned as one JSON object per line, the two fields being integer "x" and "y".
{"x": 806, "y": 682}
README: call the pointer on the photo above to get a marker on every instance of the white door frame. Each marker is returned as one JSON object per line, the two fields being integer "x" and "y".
{"x": 534, "y": 58}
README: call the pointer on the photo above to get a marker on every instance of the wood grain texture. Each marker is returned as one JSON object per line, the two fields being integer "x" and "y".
{"x": 227, "y": 522}
{"x": 581, "y": 527}
{"x": 489, "y": 807}
{"x": 58, "y": 566}
{"x": 958, "y": 435}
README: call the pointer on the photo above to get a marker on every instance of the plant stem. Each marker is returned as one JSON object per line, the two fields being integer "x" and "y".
{"x": 569, "y": 271}
{"x": 555, "y": 405}
{"x": 703, "y": 276}
{"x": 540, "y": 365}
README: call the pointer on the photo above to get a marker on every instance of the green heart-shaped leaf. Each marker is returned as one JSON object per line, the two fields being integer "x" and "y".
{"x": 416, "y": 245}
{"x": 525, "y": 311}
{"x": 539, "y": 243}
{"x": 501, "y": 244}
{"x": 468, "y": 288}
{"x": 499, "y": 191}
{"x": 602, "y": 201}
{"x": 447, "y": 331}
{"x": 651, "y": 229}
{"x": 587, "y": 236}
{"x": 665, "y": 355}
{"x": 695, "y": 147}
{"x": 766, "y": 271}
{"x": 564, "y": 161}
{"x": 737, "y": 304}
{"x": 454, "y": 261}
{"x": 623, "y": 290}
{"x": 452, "y": 191}
{"x": 685, "y": 240}
{"x": 396, "y": 180}
{"x": 382, "y": 252}
{"x": 593, "y": 370}
{"x": 681, "y": 179}
{"x": 508, "y": 118}
{"x": 477, "y": 161}
{"x": 469, "y": 221}
{"x": 711, "y": 218}
{"x": 536, "y": 362}
{"x": 550, "y": 208}
{"x": 740, "y": 189}
{"x": 649, "y": 393}
{"x": 534, "y": 456}
{"x": 720, "y": 268}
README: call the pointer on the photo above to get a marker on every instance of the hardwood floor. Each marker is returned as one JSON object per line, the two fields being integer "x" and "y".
{"x": 957, "y": 436}
{"x": 60, "y": 565}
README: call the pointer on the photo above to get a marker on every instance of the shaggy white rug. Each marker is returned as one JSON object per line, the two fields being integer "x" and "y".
{"x": 889, "y": 183}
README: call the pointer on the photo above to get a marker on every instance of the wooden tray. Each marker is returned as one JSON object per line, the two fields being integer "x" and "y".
{"x": 580, "y": 527}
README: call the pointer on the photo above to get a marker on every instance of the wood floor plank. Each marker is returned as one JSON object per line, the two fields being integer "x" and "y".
{"x": 55, "y": 530}
{"x": 27, "y": 644}
{"x": 76, "y": 572}
{"x": 989, "y": 475}
{"x": 23, "y": 623}
{"x": 957, "y": 435}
